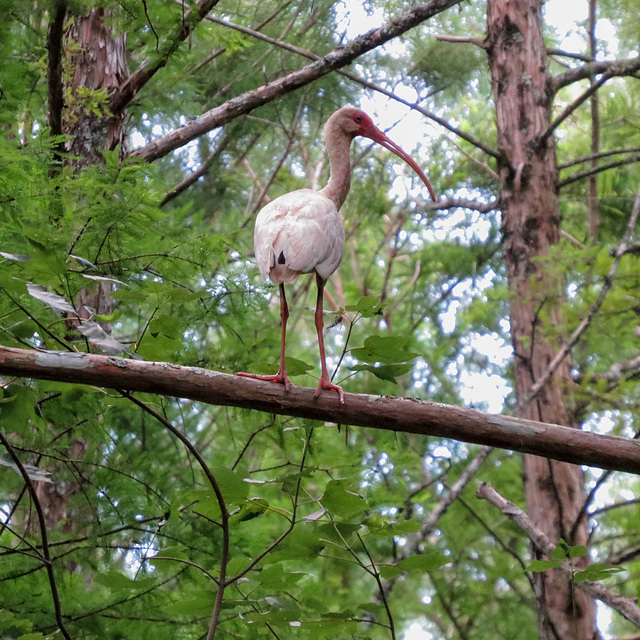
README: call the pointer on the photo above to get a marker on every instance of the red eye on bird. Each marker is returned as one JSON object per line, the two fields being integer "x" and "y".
{"x": 303, "y": 232}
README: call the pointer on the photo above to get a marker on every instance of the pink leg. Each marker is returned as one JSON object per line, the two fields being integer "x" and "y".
{"x": 325, "y": 381}
{"x": 280, "y": 377}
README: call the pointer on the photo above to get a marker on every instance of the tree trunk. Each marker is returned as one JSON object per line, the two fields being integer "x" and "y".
{"x": 99, "y": 67}
{"x": 531, "y": 224}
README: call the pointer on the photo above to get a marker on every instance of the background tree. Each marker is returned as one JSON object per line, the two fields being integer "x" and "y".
{"x": 182, "y": 519}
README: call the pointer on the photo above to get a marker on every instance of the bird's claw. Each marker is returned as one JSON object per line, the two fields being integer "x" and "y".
{"x": 280, "y": 378}
{"x": 329, "y": 386}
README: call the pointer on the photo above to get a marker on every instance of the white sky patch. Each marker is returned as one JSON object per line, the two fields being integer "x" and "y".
{"x": 487, "y": 391}
{"x": 566, "y": 18}
{"x": 493, "y": 347}
{"x": 416, "y": 632}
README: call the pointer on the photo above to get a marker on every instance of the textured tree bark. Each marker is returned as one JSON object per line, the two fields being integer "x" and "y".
{"x": 99, "y": 65}
{"x": 404, "y": 415}
{"x": 523, "y": 92}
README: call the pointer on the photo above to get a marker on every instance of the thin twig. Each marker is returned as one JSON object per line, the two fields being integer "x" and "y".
{"x": 598, "y": 156}
{"x": 292, "y": 522}
{"x": 584, "y": 325}
{"x": 594, "y": 170}
{"x": 624, "y": 606}
{"x": 224, "y": 517}
{"x": 55, "y": 597}
{"x": 478, "y": 42}
{"x": 575, "y": 104}
{"x": 383, "y": 596}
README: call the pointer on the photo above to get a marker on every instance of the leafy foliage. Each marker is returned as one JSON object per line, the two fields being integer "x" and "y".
{"x": 326, "y": 537}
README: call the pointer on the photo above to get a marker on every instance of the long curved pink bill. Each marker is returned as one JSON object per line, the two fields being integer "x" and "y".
{"x": 389, "y": 144}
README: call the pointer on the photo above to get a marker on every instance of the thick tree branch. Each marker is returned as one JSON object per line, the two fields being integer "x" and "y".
{"x": 250, "y": 100}
{"x": 139, "y": 78}
{"x": 624, "y": 606}
{"x": 379, "y": 412}
{"x": 362, "y": 82}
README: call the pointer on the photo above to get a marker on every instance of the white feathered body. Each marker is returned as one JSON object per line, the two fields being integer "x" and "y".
{"x": 299, "y": 232}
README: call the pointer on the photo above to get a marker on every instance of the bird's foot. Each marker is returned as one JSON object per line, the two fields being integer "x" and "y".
{"x": 280, "y": 378}
{"x": 325, "y": 383}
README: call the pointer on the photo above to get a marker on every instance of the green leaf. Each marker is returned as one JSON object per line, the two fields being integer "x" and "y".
{"x": 386, "y": 349}
{"x": 251, "y": 509}
{"x": 543, "y": 565}
{"x": 116, "y": 581}
{"x": 234, "y": 489}
{"x": 561, "y": 551}
{"x": 197, "y": 602}
{"x": 166, "y": 325}
{"x": 389, "y": 571}
{"x": 388, "y": 372}
{"x": 159, "y": 348}
{"x": 340, "y": 501}
{"x": 297, "y": 367}
{"x": 422, "y": 562}
{"x": 597, "y": 571}
{"x": 367, "y": 306}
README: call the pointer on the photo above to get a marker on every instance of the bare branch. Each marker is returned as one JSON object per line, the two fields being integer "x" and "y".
{"x": 624, "y": 606}
{"x": 602, "y": 154}
{"x": 581, "y": 175}
{"x": 430, "y": 522}
{"x": 379, "y": 412}
{"x": 611, "y": 68}
{"x": 478, "y": 42}
{"x": 193, "y": 177}
{"x": 568, "y": 54}
{"x": 250, "y": 100}
{"x": 593, "y": 87}
{"x": 615, "y": 372}
{"x": 455, "y": 203}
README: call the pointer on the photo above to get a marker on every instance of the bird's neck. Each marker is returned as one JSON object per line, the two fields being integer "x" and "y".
{"x": 338, "y": 147}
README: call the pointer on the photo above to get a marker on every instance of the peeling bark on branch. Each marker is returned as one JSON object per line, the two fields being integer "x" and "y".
{"x": 378, "y": 412}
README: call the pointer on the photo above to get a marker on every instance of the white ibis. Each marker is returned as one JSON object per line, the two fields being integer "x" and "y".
{"x": 303, "y": 232}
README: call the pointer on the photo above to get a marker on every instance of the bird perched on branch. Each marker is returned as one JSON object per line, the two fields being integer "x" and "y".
{"x": 302, "y": 231}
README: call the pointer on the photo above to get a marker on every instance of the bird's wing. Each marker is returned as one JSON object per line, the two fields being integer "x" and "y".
{"x": 298, "y": 233}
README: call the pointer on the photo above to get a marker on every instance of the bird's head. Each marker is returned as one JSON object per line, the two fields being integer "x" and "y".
{"x": 352, "y": 122}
